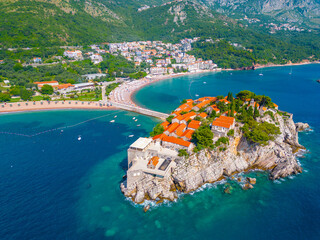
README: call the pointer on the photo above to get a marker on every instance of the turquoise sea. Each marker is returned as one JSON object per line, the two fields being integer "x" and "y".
{"x": 53, "y": 186}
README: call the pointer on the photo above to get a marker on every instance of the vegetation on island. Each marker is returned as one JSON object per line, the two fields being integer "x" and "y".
{"x": 158, "y": 129}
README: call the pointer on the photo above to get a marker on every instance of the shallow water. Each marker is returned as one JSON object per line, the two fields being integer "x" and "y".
{"x": 55, "y": 187}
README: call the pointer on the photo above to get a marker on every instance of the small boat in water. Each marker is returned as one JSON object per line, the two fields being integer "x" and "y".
{"x": 138, "y": 125}
{"x": 115, "y": 116}
{"x": 204, "y": 82}
{"x": 112, "y": 121}
{"x": 136, "y": 120}
{"x": 131, "y": 136}
{"x": 79, "y": 138}
{"x": 197, "y": 95}
{"x": 260, "y": 74}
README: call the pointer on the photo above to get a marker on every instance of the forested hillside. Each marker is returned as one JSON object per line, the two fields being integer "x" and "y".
{"x": 47, "y": 23}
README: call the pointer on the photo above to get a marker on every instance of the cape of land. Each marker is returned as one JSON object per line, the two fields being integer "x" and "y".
{"x": 210, "y": 139}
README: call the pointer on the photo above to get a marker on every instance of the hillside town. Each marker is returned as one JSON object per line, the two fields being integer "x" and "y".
{"x": 143, "y": 61}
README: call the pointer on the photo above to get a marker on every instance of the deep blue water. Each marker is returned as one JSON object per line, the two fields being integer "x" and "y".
{"x": 53, "y": 186}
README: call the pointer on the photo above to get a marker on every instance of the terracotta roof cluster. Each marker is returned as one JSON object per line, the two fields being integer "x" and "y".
{"x": 183, "y": 126}
{"x": 223, "y": 121}
{"x": 202, "y": 104}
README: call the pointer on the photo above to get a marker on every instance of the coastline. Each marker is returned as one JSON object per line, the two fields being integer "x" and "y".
{"x": 165, "y": 77}
{"x": 127, "y": 93}
{"x": 285, "y": 65}
{"x": 51, "y": 105}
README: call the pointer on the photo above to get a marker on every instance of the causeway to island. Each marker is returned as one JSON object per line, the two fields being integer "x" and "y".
{"x": 210, "y": 139}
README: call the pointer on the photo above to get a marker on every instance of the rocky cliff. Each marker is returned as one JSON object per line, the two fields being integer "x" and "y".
{"x": 282, "y": 10}
{"x": 278, "y": 158}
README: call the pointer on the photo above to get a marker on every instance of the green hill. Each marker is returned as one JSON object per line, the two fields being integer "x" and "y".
{"x": 30, "y": 23}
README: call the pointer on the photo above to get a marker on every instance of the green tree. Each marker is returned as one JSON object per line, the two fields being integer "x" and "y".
{"x": 47, "y": 89}
{"x": 26, "y": 94}
{"x": 4, "y": 97}
{"x": 203, "y": 137}
{"x": 169, "y": 119}
{"x": 17, "y": 67}
{"x": 243, "y": 95}
{"x": 183, "y": 153}
{"x": 158, "y": 129}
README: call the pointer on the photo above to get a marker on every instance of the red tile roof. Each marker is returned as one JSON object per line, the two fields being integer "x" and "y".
{"x": 172, "y": 127}
{"x": 160, "y": 136}
{"x": 154, "y": 161}
{"x": 221, "y": 124}
{"x": 62, "y": 86}
{"x": 226, "y": 119}
{"x": 165, "y": 124}
{"x": 194, "y": 124}
{"x": 202, "y": 104}
{"x": 179, "y": 131}
{"x": 223, "y": 121}
{"x": 203, "y": 115}
{"x": 188, "y": 134}
{"x": 45, "y": 82}
{"x": 177, "y": 141}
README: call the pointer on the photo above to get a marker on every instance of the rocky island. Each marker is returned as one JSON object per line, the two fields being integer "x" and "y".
{"x": 210, "y": 139}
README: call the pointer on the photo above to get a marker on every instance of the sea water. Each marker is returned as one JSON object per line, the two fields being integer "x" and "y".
{"x": 55, "y": 186}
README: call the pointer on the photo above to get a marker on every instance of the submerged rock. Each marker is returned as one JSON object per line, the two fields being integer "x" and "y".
{"x": 252, "y": 181}
{"x": 146, "y": 208}
{"x": 247, "y": 186}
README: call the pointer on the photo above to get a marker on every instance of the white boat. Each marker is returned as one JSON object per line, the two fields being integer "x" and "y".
{"x": 260, "y": 74}
{"x": 136, "y": 120}
{"x": 204, "y": 82}
{"x": 138, "y": 125}
{"x": 197, "y": 95}
{"x": 79, "y": 138}
{"x": 131, "y": 136}
{"x": 112, "y": 121}
{"x": 115, "y": 116}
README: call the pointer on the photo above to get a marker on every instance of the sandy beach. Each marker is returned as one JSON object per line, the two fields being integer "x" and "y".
{"x": 46, "y": 105}
{"x": 285, "y": 65}
{"x": 124, "y": 93}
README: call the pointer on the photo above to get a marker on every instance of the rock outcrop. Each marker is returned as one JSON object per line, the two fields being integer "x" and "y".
{"x": 278, "y": 158}
{"x": 302, "y": 126}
